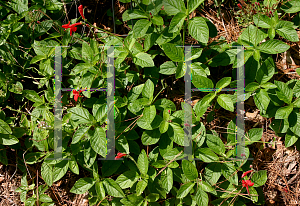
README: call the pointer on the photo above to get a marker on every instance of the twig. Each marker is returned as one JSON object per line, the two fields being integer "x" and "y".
{"x": 168, "y": 163}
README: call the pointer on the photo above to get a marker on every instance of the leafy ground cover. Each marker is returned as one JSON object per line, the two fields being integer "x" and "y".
{"x": 150, "y": 65}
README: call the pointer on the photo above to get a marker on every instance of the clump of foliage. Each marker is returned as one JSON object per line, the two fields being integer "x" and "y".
{"x": 149, "y": 129}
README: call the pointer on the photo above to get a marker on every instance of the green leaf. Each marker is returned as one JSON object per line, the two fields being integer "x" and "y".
{"x": 87, "y": 53}
{"x": 262, "y": 100}
{"x": 212, "y": 173}
{"x": 180, "y": 70}
{"x": 259, "y": 178}
{"x": 143, "y": 59}
{"x": 37, "y": 58}
{"x": 162, "y": 104}
{"x": 290, "y": 139}
{"x": 228, "y": 171}
{"x": 8, "y": 139}
{"x": 251, "y": 87}
{"x": 110, "y": 167}
{"x": 226, "y": 102}
{"x": 150, "y": 137}
{"x": 32, "y": 158}
{"x": 59, "y": 170}
{"x": 254, "y": 134}
{"x": 189, "y": 170}
{"x": 163, "y": 163}
{"x": 284, "y": 112}
{"x": 163, "y": 127}
{"x": 273, "y": 46}
{"x": 80, "y": 132}
{"x": 82, "y": 67}
{"x": 280, "y": 125}
{"x": 201, "y": 82}
{"x": 201, "y": 198}
{"x": 296, "y": 103}
{"x": 288, "y": 33}
{"x": 215, "y": 144}
{"x": 19, "y": 5}
{"x": 292, "y": 6}
{"x": 294, "y": 123}
{"x": 224, "y": 82}
{"x": 73, "y": 165}
{"x": 112, "y": 188}
{"x": 122, "y": 145}
{"x": 262, "y": 21}
{"x": 135, "y": 92}
{"x": 247, "y": 35}
{"x": 157, "y": 20}
{"x": 143, "y": 162}
{"x": 173, "y": 52}
{"x": 172, "y": 7}
{"x": 98, "y": 140}
{"x": 4, "y": 128}
{"x": 283, "y": 92}
{"x": 176, "y": 133}
{"x": 177, "y": 22}
{"x": 193, "y": 4}
{"x": 127, "y": 179}
{"x": 44, "y": 198}
{"x": 198, "y": 29}
{"x": 47, "y": 173}
{"x": 153, "y": 197}
{"x": 266, "y": 71}
{"x": 82, "y": 185}
{"x": 149, "y": 114}
{"x": 81, "y": 115}
{"x": 32, "y": 96}
{"x": 148, "y": 90}
{"x": 141, "y": 186}
{"x": 140, "y": 28}
{"x": 205, "y": 186}
{"x": 185, "y": 189}
{"x": 134, "y": 14}
{"x": 167, "y": 179}
{"x": 207, "y": 155}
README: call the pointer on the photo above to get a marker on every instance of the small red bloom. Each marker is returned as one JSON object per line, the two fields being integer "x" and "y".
{"x": 119, "y": 155}
{"x": 240, "y": 6}
{"x": 245, "y": 173}
{"x": 257, "y": 3}
{"x": 80, "y": 8}
{"x": 169, "y": 111}
{"x": 76, "y": 94}
{"x": 38, "y": 22}
{"x": 72, "y": 27}
{"x": 247, "y": 183}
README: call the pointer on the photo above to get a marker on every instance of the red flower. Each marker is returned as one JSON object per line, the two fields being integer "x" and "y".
{"x": 76, "y": 94}
{"x": 247, "y": 183}
{"x": 38, "y": 22}
{"x": 257, "y": 3}
{"x": 80, "y": 8}
{"x": 240, "y": 6}
{"x": 245, "y": 173}
{"x": 72, "y": 27}
{"x": 119, "y": 155}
